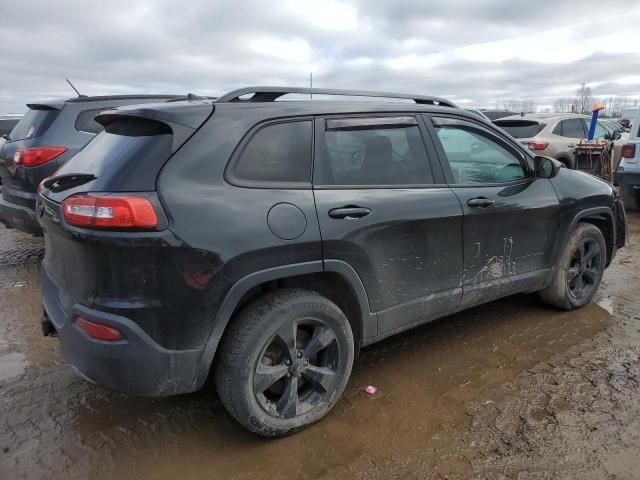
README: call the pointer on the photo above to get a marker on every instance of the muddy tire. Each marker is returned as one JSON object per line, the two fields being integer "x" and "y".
{"x": 284, "y": 361}
{"x": 580, "y": 269}
{"x": 630, "y": 197}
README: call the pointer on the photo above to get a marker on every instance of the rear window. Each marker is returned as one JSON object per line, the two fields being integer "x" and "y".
{"x": 520, "y": 128}
{"x": 571, "y": 128}
{"x": 276, "y": 154}
{"x": 127, "y": 156}
{"x": 34, "y": 123}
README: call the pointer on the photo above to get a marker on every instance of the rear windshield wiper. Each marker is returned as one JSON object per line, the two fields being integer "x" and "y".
{"x": 65, "y": 182}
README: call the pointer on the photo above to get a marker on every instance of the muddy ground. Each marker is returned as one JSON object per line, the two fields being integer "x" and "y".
{"x": 512, "y": 389}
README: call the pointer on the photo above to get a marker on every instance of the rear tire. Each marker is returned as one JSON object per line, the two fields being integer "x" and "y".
{"x": 580, "y": 270}
{"x": 284, "y": 361}
{"x": 630, "y": 197}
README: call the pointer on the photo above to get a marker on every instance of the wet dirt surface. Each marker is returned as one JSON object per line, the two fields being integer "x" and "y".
{"x": 512, "y": 389}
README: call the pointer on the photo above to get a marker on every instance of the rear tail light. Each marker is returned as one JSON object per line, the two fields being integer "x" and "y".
{"x": 109, "y": 212}
{"x": 32, "y": 157}
{"x": 98, "y": 330}
{"x": 536, "y": 145}
{"x": 629, "y": 150}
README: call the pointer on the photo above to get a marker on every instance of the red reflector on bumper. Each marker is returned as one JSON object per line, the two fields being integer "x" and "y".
{"x": 98, "y": 331}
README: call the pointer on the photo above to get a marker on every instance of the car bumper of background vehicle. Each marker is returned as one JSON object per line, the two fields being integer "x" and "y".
{"x": 627, "y": 178}
{"x": 19, "y": 217}
{"x": 135, "y": 364}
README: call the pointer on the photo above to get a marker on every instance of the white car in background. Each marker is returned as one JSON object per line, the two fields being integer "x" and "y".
{"x": 627, "y": 175}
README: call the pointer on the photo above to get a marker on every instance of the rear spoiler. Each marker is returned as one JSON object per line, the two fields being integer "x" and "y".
{"x": 48, "y": 105}
{"x": 183, "y": 118}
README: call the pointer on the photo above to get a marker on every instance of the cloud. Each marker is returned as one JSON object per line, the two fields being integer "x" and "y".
{"x": 470, "y": 51}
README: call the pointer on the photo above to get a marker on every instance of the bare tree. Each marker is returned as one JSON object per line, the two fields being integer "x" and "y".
{"x": 510, "y": 104}
{"x": 562, "y": 105}
{"x": 584, "y": 99}
{"x": 518, "y": 105}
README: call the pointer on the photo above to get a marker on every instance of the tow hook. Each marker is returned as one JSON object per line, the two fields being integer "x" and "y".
{"x": 48, "y": 330}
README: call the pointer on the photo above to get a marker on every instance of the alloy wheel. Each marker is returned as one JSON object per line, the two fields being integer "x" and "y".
{"x": 298, "y": 369}
{"x": 585, "y": 269}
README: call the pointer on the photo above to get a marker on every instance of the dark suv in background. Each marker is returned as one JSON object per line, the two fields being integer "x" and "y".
{"x": 7, "y": 123}
{"x": 48, "y": 135}
{"x": 267, "y": 241}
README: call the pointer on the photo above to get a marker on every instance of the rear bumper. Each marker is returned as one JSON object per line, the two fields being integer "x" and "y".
{"x": 627, "y": 178}
{"x": 19, "y": 217}
{"x": 136, "y": 364}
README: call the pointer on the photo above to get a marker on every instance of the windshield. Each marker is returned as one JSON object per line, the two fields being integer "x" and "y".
{"x": 34, "y": 123}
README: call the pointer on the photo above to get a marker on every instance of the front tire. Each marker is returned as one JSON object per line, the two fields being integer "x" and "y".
{"x": 580, "y": 269}
{"x": 284, "y": 362}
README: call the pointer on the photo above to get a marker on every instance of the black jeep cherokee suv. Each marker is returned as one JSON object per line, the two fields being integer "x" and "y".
{"x": 266, "y": 241}
{"x": 48, "y": 135}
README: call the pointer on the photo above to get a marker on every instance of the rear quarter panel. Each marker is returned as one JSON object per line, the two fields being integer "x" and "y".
{"x": 227, "y": 225}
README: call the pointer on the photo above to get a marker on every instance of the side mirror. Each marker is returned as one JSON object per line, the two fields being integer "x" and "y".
{"x": 546, "y": 167}
{"x": 616, "y": 135}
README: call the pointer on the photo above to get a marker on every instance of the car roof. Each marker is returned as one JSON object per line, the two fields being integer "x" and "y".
{"x": 314, "y": 107}
{"x": 266, "y": 102}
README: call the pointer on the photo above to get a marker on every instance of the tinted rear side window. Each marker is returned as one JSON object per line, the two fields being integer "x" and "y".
{"x": 374, "y": 155}
{"x": 34, "y": 123}
{"x": 520, "y": 128}
{"x": 85, "y": 121}
{"x": 276, "y": 154}
{"x": 571, "y": 128}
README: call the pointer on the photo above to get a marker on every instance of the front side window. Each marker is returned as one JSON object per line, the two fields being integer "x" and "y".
{"x": 375, "y": 152}
{"x": 475, "y": 156}
{"x": 600, "y": 132}
{"x": 276, "y": 154}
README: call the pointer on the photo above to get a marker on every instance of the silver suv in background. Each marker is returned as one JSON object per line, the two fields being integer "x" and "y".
{"x": 556, "y": 134}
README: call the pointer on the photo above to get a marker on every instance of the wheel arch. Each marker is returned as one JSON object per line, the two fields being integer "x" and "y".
{"x": 601, "y": 217}
{"x": 334, "y": 279}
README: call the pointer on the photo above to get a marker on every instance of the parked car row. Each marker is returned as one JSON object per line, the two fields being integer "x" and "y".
{"x": 265, "y": 242}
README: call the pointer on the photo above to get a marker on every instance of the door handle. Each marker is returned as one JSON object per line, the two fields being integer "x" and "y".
{"x": 571, "y": 145}
{"x": 349, "y": 213}
{"x": 480, "y": 202}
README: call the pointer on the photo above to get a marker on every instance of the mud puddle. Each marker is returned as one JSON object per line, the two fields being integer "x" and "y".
{"x": 512, "y": 389}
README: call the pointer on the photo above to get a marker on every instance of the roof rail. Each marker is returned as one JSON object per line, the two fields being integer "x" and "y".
{"x": 270, "y": 94}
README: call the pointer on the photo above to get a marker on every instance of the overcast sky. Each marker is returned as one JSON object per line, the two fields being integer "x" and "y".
{"x": 470, "y": 51}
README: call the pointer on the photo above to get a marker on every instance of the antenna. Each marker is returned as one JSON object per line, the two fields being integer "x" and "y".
{"x": 74, "y": 88}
